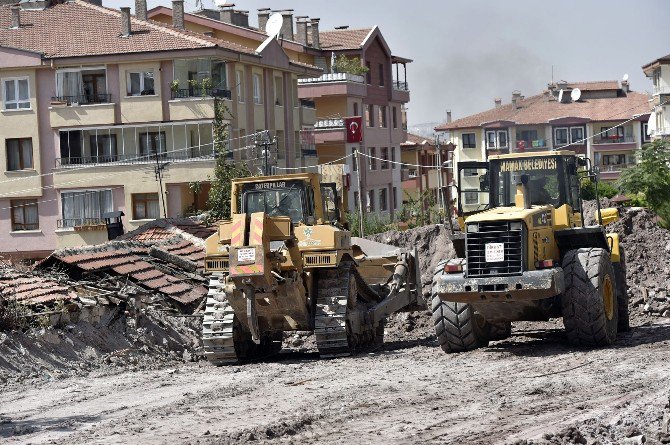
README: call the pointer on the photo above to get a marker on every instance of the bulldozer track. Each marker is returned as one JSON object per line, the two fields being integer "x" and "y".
{"x": 335, "y": 302}
{"x": 217, "y": 325}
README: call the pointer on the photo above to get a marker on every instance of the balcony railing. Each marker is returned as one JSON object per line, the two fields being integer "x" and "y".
{"x": 662, "y": 89}
{"x": 307, "y": 103}
{"x": 533, "y": 143}
{"x": 329, "y": 123}
{"x": 129, "y": 159}
{"x": 78, "y": 222}
{"x": 400, "y": 86}
{"x": 615, "y": 167}
{"x": 614, "y": 140}
{"x": 201, "y": 92}
{"x": 84, "y": 99}
{"x": 334, "y": 77}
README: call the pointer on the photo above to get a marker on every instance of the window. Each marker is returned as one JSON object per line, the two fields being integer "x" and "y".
{"x": 279, "y": 92}
{"x": 146, "y": 206}
{"x": 239, "y": 85}
{"x": 645, "y": 132}
{"x": 372, "y": 151}
{"x": 560, "y": 136}
{"x": 613, "y": 134}
{"x": 368, "y": 74}
{"x": 381, "y": 74}
{"x": 17, "y": 93}
{"x": 19, "y": 154}
{"x": 471, "y": 197}
{"x": 496, "y": 139}
{"x": 394, "y": 112}
{"x": 371, "y": 200}
{"x": 103, "y": 147}
{"x": 258, "y": 95}
{"x": 141, "y": 83}
{"x": 394, "y": 198}
{"x": 385, "y": 157}
{"x": 618, "y": 159}
{"x": 152, "y": 143}
{"x": 356, "y": 109}
{"x": 354, "y": 160}
{"x": 201, "y": 77}
{"x": 356, "y": 200}
{"x": 393, "y": 164}
{"x": 382, "y": 116}
{"x": 577, "y": 135}
{"x": 370, "y": 115}
{"x": 470, "y": 172}
{"x": 469, "y": 140}
{"x": 383, "y": 200}
{"x": 85, "y": 207}
{"x": 24, "y": 214}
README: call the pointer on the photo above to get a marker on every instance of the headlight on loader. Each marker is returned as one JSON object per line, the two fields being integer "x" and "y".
{"x": 472, "y": 228}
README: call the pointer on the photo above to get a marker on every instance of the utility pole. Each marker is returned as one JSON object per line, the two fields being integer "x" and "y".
{"x": 360, "y": 193}
{"x": 440, "y": 196}
{"x": 266, "y": 143}
{"x": 158, "y": 171}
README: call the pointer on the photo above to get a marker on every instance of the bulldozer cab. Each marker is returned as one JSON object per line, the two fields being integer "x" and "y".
{"x": 301, "y": 197}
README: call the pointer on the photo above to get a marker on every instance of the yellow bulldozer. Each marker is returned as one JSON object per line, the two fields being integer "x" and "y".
{"x": 287, "y": 262}
{"x": 525, "y": 254}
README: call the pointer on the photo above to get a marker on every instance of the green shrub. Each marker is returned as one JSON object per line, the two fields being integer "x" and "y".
{"x": 372, "y": 224}
{"x": 605, "y": 190}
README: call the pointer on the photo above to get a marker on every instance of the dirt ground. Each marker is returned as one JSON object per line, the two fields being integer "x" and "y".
{"x": 532, "y": 388}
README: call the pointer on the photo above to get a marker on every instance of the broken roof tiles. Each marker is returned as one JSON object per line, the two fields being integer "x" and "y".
{"x": 30, "y": 289}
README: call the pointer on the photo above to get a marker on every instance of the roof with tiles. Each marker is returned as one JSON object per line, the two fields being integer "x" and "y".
{"x": 28, "y": 289}
{"x": 415, "y": 139}
{"x": 131, "y": 259}
{"x": 65, "y": 30}
{"x": 343, "y": 39}
{"x": 167, "y": 228}
{"x": 540, "y": 109}
{"x": 598, "y": 85}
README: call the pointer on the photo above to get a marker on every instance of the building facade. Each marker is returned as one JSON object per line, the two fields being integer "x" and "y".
{"x": 607, "y": 122}
{"x": 97, "y": 103}
{"x": 659, "y": 72}
{"x": 378, "y": 96}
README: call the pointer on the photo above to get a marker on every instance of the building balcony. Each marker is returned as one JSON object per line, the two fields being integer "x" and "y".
{"x": 400, "y": 91}
{"x": 614, "y": 140}
{"x": 132, "y": 159}
{"x": 614, "y": 144}
{"x": 84, "y": 110}
{"x": 336, "y": 84}
{"x": 329, "y": 123}
{"x": 400, "y": 86}
{"x": 522, "y": 144}
{"x": 81, "y": 223}
{"x": 329, "y": 130}
{"x": 661, "y": 89}
{"x": 83, "y": 99}
{"x": 201, "y": 93}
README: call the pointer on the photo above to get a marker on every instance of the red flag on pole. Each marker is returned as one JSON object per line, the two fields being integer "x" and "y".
{"x": 354, "y": 126}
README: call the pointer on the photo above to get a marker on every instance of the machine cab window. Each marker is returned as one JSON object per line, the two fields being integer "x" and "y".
{"x": 546, "y": 176}
{"x": 278, "y": 198}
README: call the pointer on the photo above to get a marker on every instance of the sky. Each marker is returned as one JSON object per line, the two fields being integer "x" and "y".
{"x": 468, "y": 52}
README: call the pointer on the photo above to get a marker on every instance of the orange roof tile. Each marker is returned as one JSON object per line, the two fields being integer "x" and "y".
{"x": 342, "y": 39}
{"x": 78, "y": 28}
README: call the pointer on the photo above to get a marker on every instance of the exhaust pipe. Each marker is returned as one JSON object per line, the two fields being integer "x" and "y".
{"x": 522, "y": 197}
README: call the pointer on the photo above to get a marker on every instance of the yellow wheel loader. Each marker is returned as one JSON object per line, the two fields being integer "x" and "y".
{"x": 286, "y": 262}
{"x": 524, "y": 253}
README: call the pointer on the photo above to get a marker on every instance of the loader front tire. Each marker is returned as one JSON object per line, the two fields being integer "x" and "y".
{"x": 622, "y": 292}
{"x": 589, "y": 302}
{"x": 457, "y": 326}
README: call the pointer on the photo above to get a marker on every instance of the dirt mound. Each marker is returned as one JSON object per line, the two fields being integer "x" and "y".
{"x": 114, "y": 341}
{"x": 432, "y": 242}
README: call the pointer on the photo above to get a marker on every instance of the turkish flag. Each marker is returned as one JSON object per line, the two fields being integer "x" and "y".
{"x": 354, "y": 126}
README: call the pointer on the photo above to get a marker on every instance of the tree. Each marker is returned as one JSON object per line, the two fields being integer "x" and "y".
{"x": 605, "y": 189}
{"x": 218, "y": 202}
{"x": 651, "y": 177}
{"x": 343, "y": 64}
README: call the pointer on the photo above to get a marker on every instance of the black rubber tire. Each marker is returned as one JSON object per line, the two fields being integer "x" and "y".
{"x": 622, "y": 292}
{"x": 500, "y": 330}
{"x": 457, "y": 326}
{"x": 584, "y": 313}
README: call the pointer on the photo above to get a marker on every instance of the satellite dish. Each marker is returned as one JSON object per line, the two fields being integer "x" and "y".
{"x": 575, "y": 94}
{"x": 625, "y": 77}
{"x": 560, "y": 96}
{"x": 273, "y": 26}
{"x": 220, "y": 3}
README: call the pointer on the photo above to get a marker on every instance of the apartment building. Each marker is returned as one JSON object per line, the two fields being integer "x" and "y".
{"x": 659, "y": 72}
{"x": 378, "y": 96}
{"x": 420, "y": 158}
{"x": 96, "y": 101}
{"x": 553, "y": 120}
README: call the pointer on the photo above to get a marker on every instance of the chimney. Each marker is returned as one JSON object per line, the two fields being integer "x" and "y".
{"x": 516, "y": 96}
{"x": 625, "y": 86}
{"x": 448, "y": 116}
{"x": 263, "y": 16}
{"x": 125, "y": 21}
{"x": 16, "y": 17}
{"x": 287, "y": 24}
{"x": 226, "y": 14}
{"x": 301, "y": 29}
{"x": 498, "y": 102}
{"x": 141, "y": 9}
{"x": 178, "y": 14}
{"x": 316, "y": 43}
{"x": 241, "y": 18}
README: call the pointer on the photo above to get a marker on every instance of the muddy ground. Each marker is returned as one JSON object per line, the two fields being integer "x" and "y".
{"x": 532, "y": 387}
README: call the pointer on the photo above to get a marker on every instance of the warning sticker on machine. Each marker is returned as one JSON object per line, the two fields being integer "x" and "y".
{"x": 494, "y": 252}
{"x": 246, "y": 255}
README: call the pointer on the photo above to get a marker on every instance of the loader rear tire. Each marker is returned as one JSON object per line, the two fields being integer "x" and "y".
{"x": 457, "y": 326}
{"x": 500, "y": 330}
{"x": 622, "y": 292}
{"x": 589, "y": 302}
